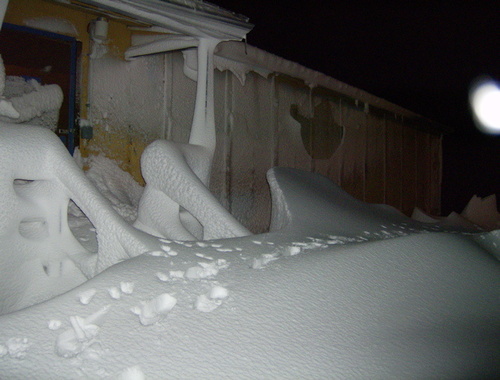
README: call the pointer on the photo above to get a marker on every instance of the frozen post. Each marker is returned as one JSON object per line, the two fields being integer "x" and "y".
{"x": 176, "y": 202}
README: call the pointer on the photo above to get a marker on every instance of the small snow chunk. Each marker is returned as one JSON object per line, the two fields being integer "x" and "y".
{"x": 203, "y": 256}
{"x": 216, "y": 245}
{"x": 17, "y": 347}
{"x": 73, "y": 341}
{"x": 172, "y": 253}
{"x": 132, "y": 373}
{"x": 205, "y": 304}
{"x": 54, "y": 324}
{"x": 166, "y": 248}
{"x": 156, "y": 253}
{"x": 201, "y": 244}
{"x": 154, "y": 310}
{"x": 222, "y": 263}
{"x": 165, "y": 241}
{"x": 224, "y": 249}
{"x": 162, "y": 276}
{"x": 256, "y": 242}
{"x": 204, "y": 270}
{"x": 176, "y": 274}
{"x": 135, "y": 310}
{"x": 86, "y": 296}
{"x": 292, "y": 251}
{"x": 218, "y": 292}
{"x": 164, "y": 303}
{"x": 263, "y": 260}
{"x": 127, "y": 287}
{"x": 114, "y": 293}
{"x": 76, "y": 339}
{"x": 195, "y": 272}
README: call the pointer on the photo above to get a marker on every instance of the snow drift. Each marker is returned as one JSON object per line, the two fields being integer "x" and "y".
{"x": 337, "y": 288}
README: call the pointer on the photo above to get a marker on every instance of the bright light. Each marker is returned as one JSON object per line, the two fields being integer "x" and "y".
{"x": 485, "y": 103}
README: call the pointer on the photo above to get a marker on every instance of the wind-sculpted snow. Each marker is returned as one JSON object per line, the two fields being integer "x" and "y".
{"x": 170, "y": 171}
{"x": 39, "y": 256}
{"x": 338, "y": 289}
{"x": 176, "y": 202}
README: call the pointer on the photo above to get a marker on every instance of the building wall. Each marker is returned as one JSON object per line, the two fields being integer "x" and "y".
{"x": 375, "y": 155}
{"x": 381, "y": 157}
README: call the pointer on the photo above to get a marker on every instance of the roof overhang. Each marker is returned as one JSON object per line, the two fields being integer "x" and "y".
{"x": 188, "y": 17}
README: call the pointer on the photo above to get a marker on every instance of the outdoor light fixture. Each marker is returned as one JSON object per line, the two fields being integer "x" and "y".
{"x": 98, "y": 30}
{"x": 485, "y": 104}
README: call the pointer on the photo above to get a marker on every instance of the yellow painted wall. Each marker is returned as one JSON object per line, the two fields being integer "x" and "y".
{"x": 125, "y": 149}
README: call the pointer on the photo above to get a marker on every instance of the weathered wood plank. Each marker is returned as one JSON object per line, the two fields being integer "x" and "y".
{"x": 423, "y": 171}
{"x": 353, "y": 154}
{"x": 394, "y": 158}
{"x": 375, "y": 159}
{"x": 436, "y": 158}
{"x": 409, "y": 171}
{"x": 251, "y": 151}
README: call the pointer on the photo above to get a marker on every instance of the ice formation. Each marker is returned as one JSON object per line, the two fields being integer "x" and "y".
{"x": 176, "y": 202}
{"x": 38, "y": 180}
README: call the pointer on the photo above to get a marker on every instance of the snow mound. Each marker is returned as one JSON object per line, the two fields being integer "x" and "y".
{"x": 480, "y": 214}
{"x": 176, "y": 203}
{"x": 39, "y": 255}
{"x": 118, "y": 186}
{"x": 343, "y": 289}
{"x": 24, "y": 101}
{"x": 337, "y": 288}
{"x": 483, "y": 212}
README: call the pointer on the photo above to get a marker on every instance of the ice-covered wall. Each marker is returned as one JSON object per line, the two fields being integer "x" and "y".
{"x": 127, "y": 107}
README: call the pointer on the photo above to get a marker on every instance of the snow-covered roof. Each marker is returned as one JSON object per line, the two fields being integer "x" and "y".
{"x": 191, "y": 17}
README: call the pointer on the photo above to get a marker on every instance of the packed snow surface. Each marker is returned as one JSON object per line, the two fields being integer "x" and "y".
{"x": 337, "y": 289}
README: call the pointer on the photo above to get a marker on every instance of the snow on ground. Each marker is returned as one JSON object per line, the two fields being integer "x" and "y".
{"x": 337, "y": 289}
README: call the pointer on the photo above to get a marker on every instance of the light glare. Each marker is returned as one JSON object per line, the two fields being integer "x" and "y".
{"x": 485, "y": 102}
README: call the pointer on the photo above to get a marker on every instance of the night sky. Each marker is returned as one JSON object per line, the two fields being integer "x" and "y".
{"x": 422, "y": 55}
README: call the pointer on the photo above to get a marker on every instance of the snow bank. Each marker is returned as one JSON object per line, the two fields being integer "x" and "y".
{"x": 343, "y": 289}
{"x": 480, "y": 214}
{"x": 39, "y": 256}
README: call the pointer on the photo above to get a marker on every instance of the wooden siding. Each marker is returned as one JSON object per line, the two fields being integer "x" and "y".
{"x": 382, "y": 158}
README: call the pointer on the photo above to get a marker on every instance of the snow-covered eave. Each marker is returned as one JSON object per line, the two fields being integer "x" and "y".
{"x": 208, "y": 21}
{"x": 260, "y": 61}
{"x": 3, "y": 9}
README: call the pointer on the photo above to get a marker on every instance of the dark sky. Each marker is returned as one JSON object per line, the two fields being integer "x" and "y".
{"x": 422, "y": 55}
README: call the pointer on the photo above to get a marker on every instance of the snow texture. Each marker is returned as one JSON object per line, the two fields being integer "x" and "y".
{"x": 176, "y": 202}
{"x": 38, "y": 179}
{"x": 480, "y": 214}
{"x": 52, "y": 24}
{"x": 24, "y": 101}
{"x": 370, "y": 294}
